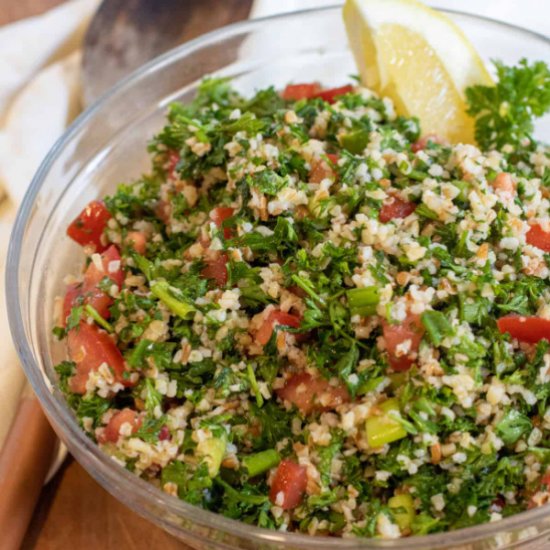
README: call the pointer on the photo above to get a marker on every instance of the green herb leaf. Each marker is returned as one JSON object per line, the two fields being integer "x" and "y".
{"x": 437, "y": 326}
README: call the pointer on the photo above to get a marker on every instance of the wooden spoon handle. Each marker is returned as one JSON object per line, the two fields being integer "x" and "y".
{"x": 24, "y": 463}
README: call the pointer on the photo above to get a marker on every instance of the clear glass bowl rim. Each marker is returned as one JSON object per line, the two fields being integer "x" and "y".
{"x": 110, "y": 474}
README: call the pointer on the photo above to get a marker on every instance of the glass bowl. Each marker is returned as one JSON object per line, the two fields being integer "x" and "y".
{"x": 105, "y": 146}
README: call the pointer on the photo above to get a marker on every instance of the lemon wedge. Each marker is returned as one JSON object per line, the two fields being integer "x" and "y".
{"x": 420, "y": 59}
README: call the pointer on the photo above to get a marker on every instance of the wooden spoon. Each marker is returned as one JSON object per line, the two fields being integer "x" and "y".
{"x": 25, "y": 459}
{"x": 125, "y": 34}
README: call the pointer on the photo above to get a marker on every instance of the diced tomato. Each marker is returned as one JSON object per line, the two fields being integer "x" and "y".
{"x": 164, "y": 433}
{"x": 422, "y": 143}
{"x": 219, "y": 215}
{"x": 504, "y": 183}
{"x": 275, "y": 318}
{"x": 410, "y": 329}
{"x": 173, "y": 159}
{"x": 111, "y": 432}
{"x": 72, "y": 294}
{"x": 525, "y": 329}
{"x": 137, "y": 240}
{"x": 163, "y": 211}
{"x": 536, "y": 236}
{"x": 295, "y": 92}
{"x": 89, "y": 291}
{"x": 87, "y": 228}
{"x": 333, "y": 157}
{"x": 396, "y": 208}
{"x": 89, "y": 348}
{"x": 310, "y": 394}
{"x": 320, "y": 170}
{"x": 331, "y": 94}
{"x": 111, "y": 268}
{"x": 216, "y": 269}
{"x": 290, "y": 479}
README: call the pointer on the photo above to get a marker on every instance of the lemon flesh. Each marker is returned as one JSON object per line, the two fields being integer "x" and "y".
{"x": 420, "y": 59}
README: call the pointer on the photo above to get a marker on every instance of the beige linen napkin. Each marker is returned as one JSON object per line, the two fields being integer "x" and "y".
{"x": 39, "y": 96}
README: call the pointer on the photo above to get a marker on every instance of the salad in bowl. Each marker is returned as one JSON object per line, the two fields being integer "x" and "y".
{"x": 316, "y": 314}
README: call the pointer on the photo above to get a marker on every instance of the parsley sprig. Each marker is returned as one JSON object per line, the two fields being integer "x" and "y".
{"x": 505, "y": 112}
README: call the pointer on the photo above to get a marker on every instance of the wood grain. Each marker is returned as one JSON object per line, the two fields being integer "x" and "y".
{"x": 73, "y": 510}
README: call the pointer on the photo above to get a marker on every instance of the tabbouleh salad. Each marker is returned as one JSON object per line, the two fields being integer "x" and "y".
{"x": 310, "y": 317}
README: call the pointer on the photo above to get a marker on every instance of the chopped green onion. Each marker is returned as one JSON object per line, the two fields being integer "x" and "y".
{"x": 385, "y": 428}
{"x": 94, "y": 314}
{"x": 144, "y": 265}
{"x": 463, "y": 187}
{"x": 417, "y": 175}
{"x": 254, "y": 385}
{"x": 425, "y": 212}
{"x": 259, "y": 463}
{"x": 402, "y": 508}
{"x": 136, "y": 357}
{"x": 437, "y": 326}
{"x": 306, "y": 286}
{"x": 356, "y": 141}
{"x": 363, "y": 301}
{"x": 162, "y": 290}
{"x": 212, "y": 451}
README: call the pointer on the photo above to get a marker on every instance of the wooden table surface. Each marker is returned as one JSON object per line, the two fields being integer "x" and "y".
{"x": 74, "y": 512}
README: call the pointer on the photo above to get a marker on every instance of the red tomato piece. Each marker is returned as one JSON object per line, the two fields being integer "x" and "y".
{"x": 410, "y": 329}
{"x": 290, "y": 479}
{"x": 333, "y": 157}
{"x": 89, "y": 348}
{"x": 331, "y": 94}
{"x": 525, "y": 329}
{"x": 164, "y": 433}
{"x": 219, "y": 215}
{"x": 89, "y": 291}
{"x": 71, "y": 296}
{"x": 536, "y": 236}
{"x": 163, "y": 211}
{"x": 173, "y": 159}
{"x": 422, "y": 143}
{"x": 396, "y": 208}
{"x": 274, "y": 319}
{"x": 216, "y": 269}
{"x": 320, "y": 170}
{"x": 87, "y": 228}
{"x": 504, "y": 183}
{"x": 137, "y": 240}
{"x": 295, "y": 92}
{"x": 310, "y": 394}
{"x": 111, "y": 268}
{"x": 111, "y": 432}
